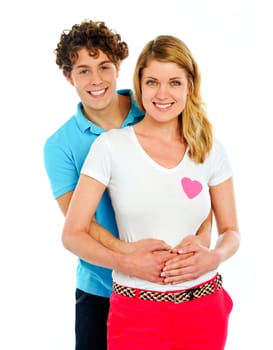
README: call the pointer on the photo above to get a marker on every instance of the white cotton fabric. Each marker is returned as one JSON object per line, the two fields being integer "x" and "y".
{"x": 151, "y": 201}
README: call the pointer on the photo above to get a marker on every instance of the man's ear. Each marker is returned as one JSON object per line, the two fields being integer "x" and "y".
{"x": 68, "y": 77}
{"x": 118, "y": 69}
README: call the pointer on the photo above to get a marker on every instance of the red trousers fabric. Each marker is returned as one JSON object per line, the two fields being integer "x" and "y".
{"x": 199, "y": 324}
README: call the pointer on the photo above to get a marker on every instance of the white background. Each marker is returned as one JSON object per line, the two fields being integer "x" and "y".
{"x": 37, "y": 273}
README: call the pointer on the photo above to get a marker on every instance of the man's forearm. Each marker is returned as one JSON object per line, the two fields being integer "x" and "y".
{"x": 107, "y": 239}
{"x": 141, "y": 262}
{"x": 204, "y": 231}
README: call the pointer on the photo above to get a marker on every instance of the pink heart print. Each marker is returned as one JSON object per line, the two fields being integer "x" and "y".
{"x": 191, "y": 187}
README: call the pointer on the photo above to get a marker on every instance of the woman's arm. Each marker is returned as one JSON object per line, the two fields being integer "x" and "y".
{"x": 224, "y": 208}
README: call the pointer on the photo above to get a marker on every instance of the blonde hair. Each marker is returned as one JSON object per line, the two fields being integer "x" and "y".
{"x": 196, "y": 128}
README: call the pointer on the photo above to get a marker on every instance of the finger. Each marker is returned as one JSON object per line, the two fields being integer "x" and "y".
{"x": 190, "y": 248}
{"x": 172, "y": 263}
{"x": 174, "y": 270}
{"x": 163, "y": 259}
{"x": 177, "y": 279}
{"x": 180, "y": 275}
{"x": 156, "y": 245}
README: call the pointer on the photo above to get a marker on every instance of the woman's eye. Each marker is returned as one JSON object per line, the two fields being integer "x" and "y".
{"x": 176, "y": 83}
{"x": 151, "y": 82}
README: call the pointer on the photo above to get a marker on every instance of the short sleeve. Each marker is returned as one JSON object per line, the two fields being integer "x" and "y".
{"x": 219, "y": 163}
{"x": 98, "y": 161}
{"x": 61, "y": 171}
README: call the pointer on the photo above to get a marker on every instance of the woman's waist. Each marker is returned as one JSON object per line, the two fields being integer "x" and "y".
{"x": 137, "y": 283}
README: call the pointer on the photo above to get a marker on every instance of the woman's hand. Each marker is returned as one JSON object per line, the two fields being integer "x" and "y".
{"x": 191, "y": 260}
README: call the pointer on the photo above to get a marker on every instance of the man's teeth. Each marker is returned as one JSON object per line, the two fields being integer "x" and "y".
{"x": 98, "y": 92}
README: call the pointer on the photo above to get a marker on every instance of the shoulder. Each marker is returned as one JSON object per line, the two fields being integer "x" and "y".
{"x": 114, "y": 137}
{"x": 116, "y": 133}
{"x": 71, "y": 128}
{"x": 217, "y": 147}
{"x": 62, "y": 135}
{"x": 218, "y": 163}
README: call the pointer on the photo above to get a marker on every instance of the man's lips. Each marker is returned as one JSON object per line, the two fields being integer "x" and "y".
{"x": 97, "y": 92}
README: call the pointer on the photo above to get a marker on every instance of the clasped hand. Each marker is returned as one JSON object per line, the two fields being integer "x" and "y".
{"x": 155, "y": 261}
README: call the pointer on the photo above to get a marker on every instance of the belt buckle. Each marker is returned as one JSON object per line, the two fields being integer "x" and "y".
{"x": 175, "y": 300}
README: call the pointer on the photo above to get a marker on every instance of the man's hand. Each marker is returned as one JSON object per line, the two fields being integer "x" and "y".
{"x": 145, "y": 259}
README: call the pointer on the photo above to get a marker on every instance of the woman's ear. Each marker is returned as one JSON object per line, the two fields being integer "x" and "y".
{"x": 190, "y": 86}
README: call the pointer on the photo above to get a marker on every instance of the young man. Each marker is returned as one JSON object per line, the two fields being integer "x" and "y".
{"x": 90, "y": 55}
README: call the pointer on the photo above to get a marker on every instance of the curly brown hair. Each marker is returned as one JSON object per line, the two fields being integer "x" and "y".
{"x": 93, "y": 36}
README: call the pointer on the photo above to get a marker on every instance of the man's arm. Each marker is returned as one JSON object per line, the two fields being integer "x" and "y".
{"x": 98, "y": 232}
{"x": 140, "y": 252}
{"x": 204, "y": 232}
{"x": 144, "y": 259}
{"x": 63, "y": 201}
{"x": 105, "y": 237}
{"x": 136, "y": 259}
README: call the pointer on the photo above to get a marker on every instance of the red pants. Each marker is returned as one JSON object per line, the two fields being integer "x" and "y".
{"x": 199, "y": 324}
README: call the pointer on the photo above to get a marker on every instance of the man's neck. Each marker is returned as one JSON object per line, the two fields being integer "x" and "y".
{"x": 112, "y": 117}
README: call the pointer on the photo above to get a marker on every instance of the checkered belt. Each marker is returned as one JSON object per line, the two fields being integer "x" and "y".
{"x": 176, "y": 297}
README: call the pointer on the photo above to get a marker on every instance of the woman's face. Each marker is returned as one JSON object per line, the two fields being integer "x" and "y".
{"x": 164, "y": 89}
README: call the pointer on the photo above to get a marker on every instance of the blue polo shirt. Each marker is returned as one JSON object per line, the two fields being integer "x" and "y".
{"x": 64, "y": 154}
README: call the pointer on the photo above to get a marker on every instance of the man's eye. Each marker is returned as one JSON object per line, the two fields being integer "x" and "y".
{"x": 84, "y": 71}
{"x": 107, "y": 66}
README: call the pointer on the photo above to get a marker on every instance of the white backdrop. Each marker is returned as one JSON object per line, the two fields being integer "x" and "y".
{"x": 37, "y": 273}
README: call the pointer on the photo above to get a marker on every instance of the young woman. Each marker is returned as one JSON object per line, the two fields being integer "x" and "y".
{"x": 164, "y": 175}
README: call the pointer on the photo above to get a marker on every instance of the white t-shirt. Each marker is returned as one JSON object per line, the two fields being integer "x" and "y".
{"x": 151, "y": 201}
